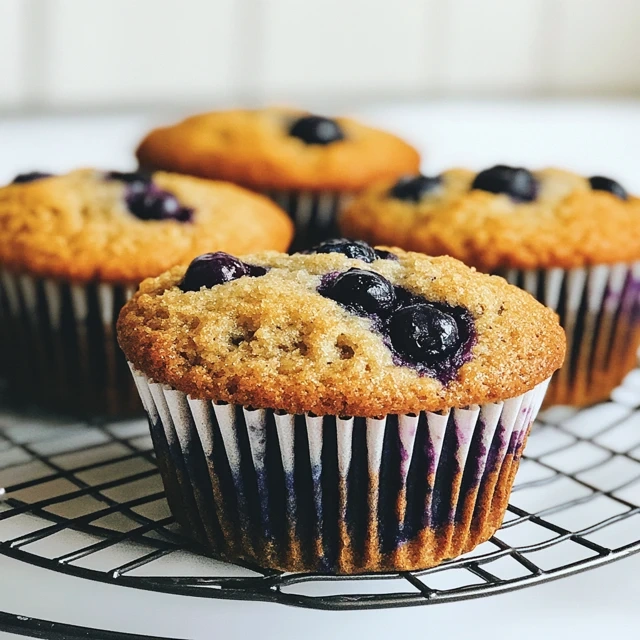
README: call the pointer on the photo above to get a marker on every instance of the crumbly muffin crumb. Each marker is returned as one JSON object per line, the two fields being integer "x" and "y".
{"x": 78, "y": 226}
{"x": 255, "y": 149}
{"x": 274, "y": 342}
{"x": 567, "y": 224}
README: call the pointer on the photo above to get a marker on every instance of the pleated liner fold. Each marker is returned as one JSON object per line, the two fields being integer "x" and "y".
{"x": 336, "y": 494}
{"x": 599, "y": 309}
{"x": 59, "y": 345}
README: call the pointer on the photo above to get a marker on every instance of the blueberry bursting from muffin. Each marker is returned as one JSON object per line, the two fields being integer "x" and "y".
{"x": 433, "y": 338}
{"x": 518, "y": 183}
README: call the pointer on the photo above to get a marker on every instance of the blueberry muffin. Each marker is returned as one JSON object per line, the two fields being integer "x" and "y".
{"x": 73, "y": 248}
{"x": 307, "y": 163}
{"x": 572, "y": 242}
{"x": 346, "y": 410}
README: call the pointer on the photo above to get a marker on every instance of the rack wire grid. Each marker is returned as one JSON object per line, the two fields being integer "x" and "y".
{"x": 86, "y": 499}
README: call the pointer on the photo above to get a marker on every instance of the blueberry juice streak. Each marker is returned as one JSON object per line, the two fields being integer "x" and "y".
{"x": 435, "y": 339}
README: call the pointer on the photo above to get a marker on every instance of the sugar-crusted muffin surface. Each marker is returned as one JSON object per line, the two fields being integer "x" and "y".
{"x": 254, "y": 148}
{"x": 568, "y": 224}
{"x": 78, "y": 226}
{"x": 274, "y": 342}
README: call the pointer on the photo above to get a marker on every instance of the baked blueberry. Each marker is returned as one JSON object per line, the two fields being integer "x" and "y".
{"x": 149, "y": 202}
{"x": 600, "y": 183}
{"x": 23, "y": 178}
{"x": 316, "y": 130}
{"x": 361, "y": 291}
{"x": 351, "y": 248}
{"x": 423, "y": 333}
{"x": 135, "y": 180}
{"x": 211, "y": 269}
{"x": 254, "y": 270}
{"x": 516, "y": 182}
{"x": 413, "y": 188}
{"x": 383, "y": 254}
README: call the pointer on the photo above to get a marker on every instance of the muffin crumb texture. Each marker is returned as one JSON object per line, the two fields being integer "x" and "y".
{"x": 274, "y": 342}
{"x": 89, "y": 225}
{"x": 554, "y": 219}
{"x": 262, "y": 149}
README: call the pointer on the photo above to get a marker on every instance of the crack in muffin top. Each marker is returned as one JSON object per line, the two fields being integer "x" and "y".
{"x": 267, "y": 149}
{"x": 123, "y": 227}
{"x": 270, "y": 339}
{"x": 503, "y": 217}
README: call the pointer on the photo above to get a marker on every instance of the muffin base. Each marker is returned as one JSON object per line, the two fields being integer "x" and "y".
{"x": 314, "y": 214}
{"x": 59, "y": 346}
{"x": 599, "y": 309}
{"x": 336, "y": 495}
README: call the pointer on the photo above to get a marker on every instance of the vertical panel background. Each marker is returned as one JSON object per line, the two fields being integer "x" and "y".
{"x": 12, "y": 53}
{"x": 369, "y": 46}
{"x": 110, "y": 53}
{"x": 123, "y": 51}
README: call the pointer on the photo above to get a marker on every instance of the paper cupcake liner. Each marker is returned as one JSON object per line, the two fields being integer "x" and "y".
{"x": 599, "y": 308}
{"x": 59, "y": 344}
{"x": 314, "y": 214}
{"x": 335, "y": 494}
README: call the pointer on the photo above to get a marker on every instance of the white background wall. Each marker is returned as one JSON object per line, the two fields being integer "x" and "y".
{"x": 112, "y": 53}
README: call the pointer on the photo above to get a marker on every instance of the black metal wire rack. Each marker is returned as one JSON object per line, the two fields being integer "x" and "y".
{"x": 87, "y": 500}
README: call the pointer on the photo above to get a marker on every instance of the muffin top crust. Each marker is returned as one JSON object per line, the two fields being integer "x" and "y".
{"x": 123, "y": 227}
{"x": 503, "y": 217}
{"x": 279, "y": 148}
{"x": 325, "y": 333}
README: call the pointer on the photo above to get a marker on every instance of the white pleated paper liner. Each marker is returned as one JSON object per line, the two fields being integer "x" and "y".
{"x": 314, "y": 214}
{"x": 59, "y": 346}
{"x": 338, "y": 495}
{"x": 599, "y": 309}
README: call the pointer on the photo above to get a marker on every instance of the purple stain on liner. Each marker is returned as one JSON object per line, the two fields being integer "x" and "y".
{"x": 321, "y": 549}
{"x": 442, "y": 511}
{"x": 474, "y": 466}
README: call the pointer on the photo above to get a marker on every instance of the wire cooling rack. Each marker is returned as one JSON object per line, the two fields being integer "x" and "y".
{"x": 87, "y": 500}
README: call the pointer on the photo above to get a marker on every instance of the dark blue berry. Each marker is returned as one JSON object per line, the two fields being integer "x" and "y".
{"x": 413, "y": 188}
{"x": 23, "y": 178}
{"x": 211, "y": 269}
{"x": 254, "y": 270}
{"x": 600, "y": 183}
{"x": 361, "y": 291}
{"x": 382, "y": 254}
{"x": 152, "y": 203}
{"x": 316, "y": 130}
{"x": 351, "y": 248}
{"x": 135, "y": 180}
{"x": 422, "y": 333}
{"x": 513, "y": 181}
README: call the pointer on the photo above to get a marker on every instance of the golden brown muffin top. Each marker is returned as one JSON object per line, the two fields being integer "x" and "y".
{"x": 255, "y": 149}
{"x": 568, "y": 224}
{"x": 79, "y": 226}
{"x": 274, "y": 341}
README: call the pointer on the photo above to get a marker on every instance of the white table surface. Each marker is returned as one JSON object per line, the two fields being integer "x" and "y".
{"x": 588, "y": 137}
